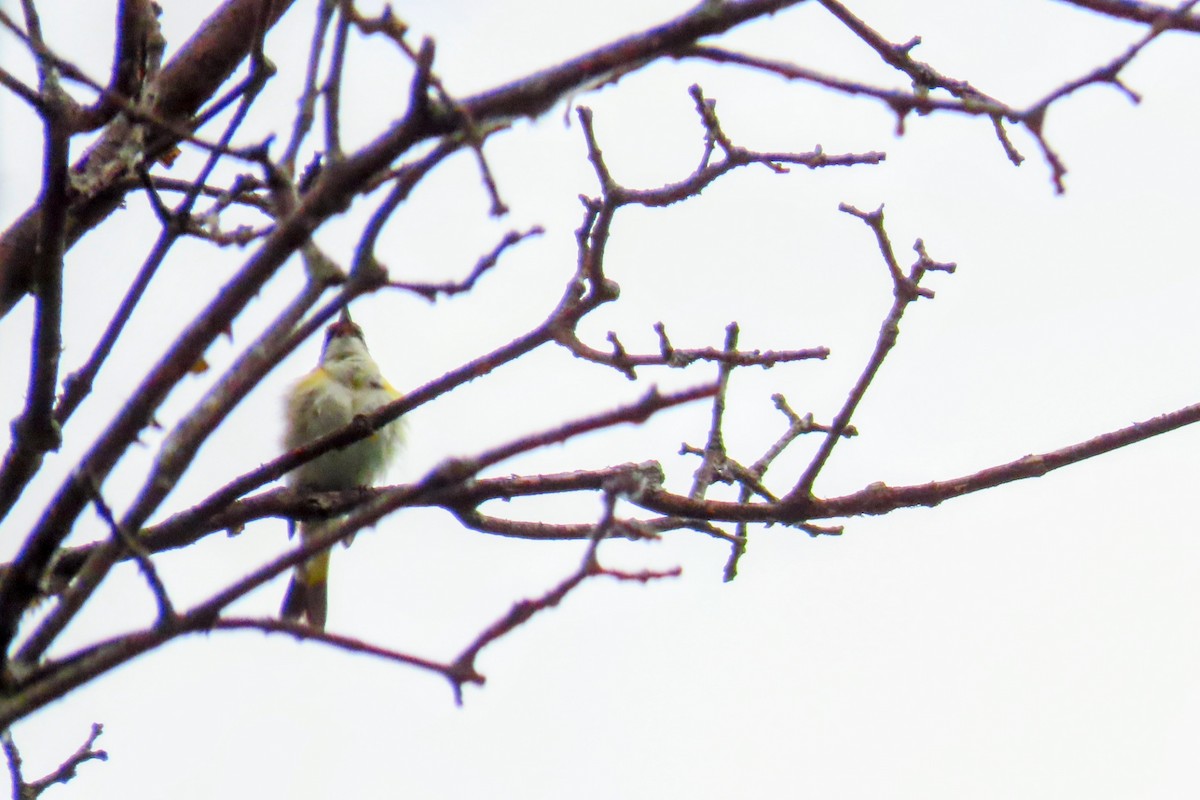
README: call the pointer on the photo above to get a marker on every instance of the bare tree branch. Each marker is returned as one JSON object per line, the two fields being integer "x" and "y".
{"x": 522, "y": 612}
{"x": 23, "y": 790}
{"x": 906, "y": 289}
{"x": 1137, "y": 11}
{"x": 146, "y": 112}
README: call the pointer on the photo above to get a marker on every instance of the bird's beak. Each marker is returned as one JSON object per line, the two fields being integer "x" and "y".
{"x": 345, "y": 315}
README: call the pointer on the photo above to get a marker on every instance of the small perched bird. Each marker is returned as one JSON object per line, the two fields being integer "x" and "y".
{"x": 344, "y": 385}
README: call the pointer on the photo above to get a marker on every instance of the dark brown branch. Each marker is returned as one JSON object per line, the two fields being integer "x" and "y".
{"x": 333, "y": 187}
{"x": 21, "y": 790}
{"x": 36, "y": 431}
{"x": 188, "y": 526}
{"x": 137, "y": 37}
{"x": 457, "y": 473}
{"x": 729, "y": 470}
{"x": 615, "y": 195}
{"x": 306, "y": 107}
{"x": 452, "y": 672}
{"x": 26, "y": 93}
{"x": 175, "y": 453}
{"x": 571, "y": 308}
{"x": 358, "y": 429}
{"x": 670, "y": 356}
{"x": 20, "y": 585}
{"x": 926, "y": 79}
{"x": 1136, "y": 11}
{"x": 406, "y": 180}
{"x": 431, "y": 291}
{"x": 797, "y": 426}
{"x": 66, "y": 771}
{"x": 523, "y": 611}
{"x": 1035, "y": 117}
{"x": 13, "y": 758}
{"x": 136, "y": 58}
{"x": 395, "y": 29}
{"x": 967, "y": 99}
{"x": 536, "y": 94}
{"x": 47, "y": 77}
{"x": 190, "y": 79}
{"x": 276, "y": 342}
{"x": 637, "y": 413}
{"x": 878, "y": 498}
{"x": 332, "y": 88}
{"x": 906, "y": 289}
{"x": 78, "y": 385}
{"x": 139, "y": 554}
{"x": 899, "y": 56}
{"x": 632, "y": 529}
{"x": 598, "y": 215}
{"x": 49, "y": 680}
{"x": 175, "y": 223}
{"x": 454, "y": 486}
{"x": 713, "y": 455}
{"x": 902, "y": 102}
{"x": 335, "y": 183}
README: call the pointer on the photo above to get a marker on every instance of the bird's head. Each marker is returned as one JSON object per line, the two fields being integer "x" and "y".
{"x": 343, "y": 339}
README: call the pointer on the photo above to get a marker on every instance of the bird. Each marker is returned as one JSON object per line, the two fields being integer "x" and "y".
{"x": 346, "y": 383}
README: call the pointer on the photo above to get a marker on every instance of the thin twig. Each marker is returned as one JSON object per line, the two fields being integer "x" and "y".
{"x": 521, "y": 612}
{"x": 306, "y": 107}
{"x": 431, "y": 291}
{"x": 905, "y": 290}
{"x": 452, "y": 672}
{"x": 714, "y": 450}
{"x": 166, "y": 611}
{"x": 64, "y": 772}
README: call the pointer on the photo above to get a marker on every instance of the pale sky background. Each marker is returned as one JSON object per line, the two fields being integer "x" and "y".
{"x": 1038, "y": 640}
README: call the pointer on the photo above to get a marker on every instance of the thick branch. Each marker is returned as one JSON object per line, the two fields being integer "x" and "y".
{"x": 187, "y": 527}
{"x": 36, "y": 432}
{"x": 878, "y": 498}
{"x": 187, "y": 82}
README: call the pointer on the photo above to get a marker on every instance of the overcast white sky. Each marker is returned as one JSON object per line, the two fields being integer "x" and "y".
{"x": 1038, "y": 640}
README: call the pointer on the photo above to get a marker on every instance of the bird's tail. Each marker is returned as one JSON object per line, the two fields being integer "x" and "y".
{"x": 307, "y": 595}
